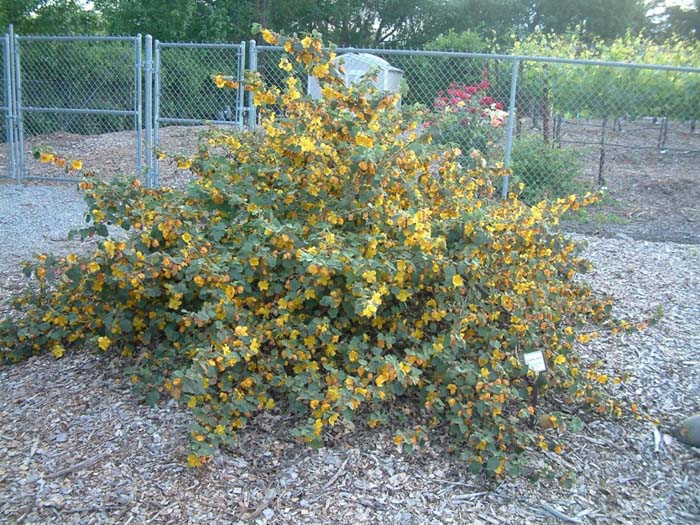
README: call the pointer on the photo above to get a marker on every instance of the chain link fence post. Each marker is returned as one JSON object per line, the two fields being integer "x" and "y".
{"x": 148, "y": 79}
{"x": 241, "y": 96}
{"x": 8, "y": 107}
{"x": 155, "y": 179}
{"x": 253, "y": 61}
{"x": 509, "y": 128}
{"x": 138, "y": 103}
{"x": 17, "y": 103}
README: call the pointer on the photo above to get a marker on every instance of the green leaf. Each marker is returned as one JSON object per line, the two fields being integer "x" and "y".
{"x": 576, "y": 424}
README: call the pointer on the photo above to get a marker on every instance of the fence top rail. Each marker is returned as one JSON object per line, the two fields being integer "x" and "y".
{"x": 78, "y": 38}
{"x": 496, "y": 56}
{"x": 212, "y": 45}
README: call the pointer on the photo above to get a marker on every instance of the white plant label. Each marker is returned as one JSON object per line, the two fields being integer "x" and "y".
{"x": 535, "y": 361}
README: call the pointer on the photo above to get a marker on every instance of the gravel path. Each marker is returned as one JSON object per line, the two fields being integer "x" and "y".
{"x": 78, "y": 446}
{"x": 36, "y": 218}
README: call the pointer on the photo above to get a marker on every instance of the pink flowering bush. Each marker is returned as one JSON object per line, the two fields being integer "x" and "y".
{"x": 466, "y": 115}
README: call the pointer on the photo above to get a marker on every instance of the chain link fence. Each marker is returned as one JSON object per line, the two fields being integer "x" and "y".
{"x": 576, "y": 125}
{"x": 562, "y": 125}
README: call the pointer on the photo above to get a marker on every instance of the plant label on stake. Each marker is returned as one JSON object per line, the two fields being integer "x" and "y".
{"x": 535, "y": 361}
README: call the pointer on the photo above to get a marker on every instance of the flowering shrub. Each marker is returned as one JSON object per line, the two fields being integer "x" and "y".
{"x": 468, "y": 116}
{"x": 337, "y": 264}
{"x": 45, "y": 155}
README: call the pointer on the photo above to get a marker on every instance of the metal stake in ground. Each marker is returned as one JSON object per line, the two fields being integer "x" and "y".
{"x": 601, "y": 160}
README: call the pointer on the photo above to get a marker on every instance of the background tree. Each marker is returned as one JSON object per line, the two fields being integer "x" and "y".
{"x": 49, "y": 17}
{"x": 164, "y": 19}
{"x": 684, "y": 22}
{"x": 601, "y": 18}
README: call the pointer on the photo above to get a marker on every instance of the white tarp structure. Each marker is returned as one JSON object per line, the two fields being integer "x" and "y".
{"x": 356, "y": 65}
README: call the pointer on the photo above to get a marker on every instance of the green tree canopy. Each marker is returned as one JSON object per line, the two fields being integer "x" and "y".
{"x": 682, "y": 21}
{"x": 601, "y": 18}
{"x": 49, "y": 17}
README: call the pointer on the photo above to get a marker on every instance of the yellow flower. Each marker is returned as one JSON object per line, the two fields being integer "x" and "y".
{"x": 584, "y": 338}
{"x": 109, "y": 247}
{"x": 45, "y": 157}
{"x": 320, "y": 71}
{"x": 219, "y": 81}
{"x": 333, "y": 419}
{"x": 285, "y": 64}
{"x": 457, "y": 281}
{"x": 352, "y": 356}
{"x": 363, "y": 140}
{"x": 186, "y": 237}
{"x": 103, "y": 342}
{"x": 369, "y": 310}
{"x": 269, "y": 36}
{"x": 306, "y": 42}
{"x": 194, "y": 461}
{"x": 174, "y": 303}
{"x": 57, "y": 350}
{"x": 307, "y": 144}
{"x": 76, "y": 165}
{"x": 241, "y": 331}
{"x": 370, "y": 276}
{"x": 499, "y": 469}
{"x": 263, "y": 285}
{"x": 403, "y": 295}
{"x": 559, "y": 360}
{"x": 184, "y": 164}
{"x": 93, "y": 267}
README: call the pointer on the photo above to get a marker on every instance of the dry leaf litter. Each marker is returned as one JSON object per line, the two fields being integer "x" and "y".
{"x": 78, "y": 446}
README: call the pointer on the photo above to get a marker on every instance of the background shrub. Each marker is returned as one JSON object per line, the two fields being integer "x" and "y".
{"x": 468, "y": 117}
{"x": 547, "y": 172}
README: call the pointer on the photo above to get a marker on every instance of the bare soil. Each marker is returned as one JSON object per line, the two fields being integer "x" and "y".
{"x": 652, "y": 192}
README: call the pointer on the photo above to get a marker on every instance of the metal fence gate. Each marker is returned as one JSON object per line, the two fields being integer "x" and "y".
{"x": 60, "y": 88}
{"x": 185, "y": 95}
